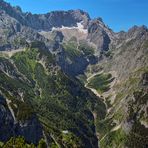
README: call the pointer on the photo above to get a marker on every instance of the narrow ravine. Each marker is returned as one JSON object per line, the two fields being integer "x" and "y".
{"x": 98, "y": 95}
{"x": 103, "y": 96}
{"x": 94, "y": 90}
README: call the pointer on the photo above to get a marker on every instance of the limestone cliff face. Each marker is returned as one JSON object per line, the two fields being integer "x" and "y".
{"x": 56, "y": 19}
{"x": 46, "y": 21}
{"x": 98, "y": 34}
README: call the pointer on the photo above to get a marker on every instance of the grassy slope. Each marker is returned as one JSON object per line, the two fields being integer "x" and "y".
{"x": 121, "y": 112}
{"x": 100, "y": 82}
{"x": 133, "y": 113}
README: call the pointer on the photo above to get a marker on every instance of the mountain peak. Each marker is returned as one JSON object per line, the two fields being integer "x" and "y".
{"x": 137, "y": 31}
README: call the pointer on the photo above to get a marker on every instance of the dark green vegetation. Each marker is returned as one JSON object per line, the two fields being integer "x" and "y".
{"x": 138, "y": 136}
{"x": 71, "y": 50}
{"x": 101, "y": 82}
{"x": 113, "y": 139}
{"x": 75, "y": 50}
{"x": 86, "y": 49}
{"x": 35, "y": 85}
{"x": 19, "y": 142}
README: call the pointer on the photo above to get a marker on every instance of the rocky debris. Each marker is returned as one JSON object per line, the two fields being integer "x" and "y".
{"x": 57, "y": 36}
{"x": 14, "y": 35}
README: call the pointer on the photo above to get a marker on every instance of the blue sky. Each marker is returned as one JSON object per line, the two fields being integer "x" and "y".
{"x": 117, "y": 14}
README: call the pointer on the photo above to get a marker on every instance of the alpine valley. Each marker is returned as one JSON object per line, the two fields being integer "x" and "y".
{"x": 69, "y": 81}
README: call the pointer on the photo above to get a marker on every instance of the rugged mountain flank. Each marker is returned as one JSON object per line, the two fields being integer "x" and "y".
{"x": 121, "y": 78}
{"x": 38, "y": 100}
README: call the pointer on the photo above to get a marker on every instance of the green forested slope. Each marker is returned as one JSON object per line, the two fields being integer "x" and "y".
{"x": 34, "y": 85}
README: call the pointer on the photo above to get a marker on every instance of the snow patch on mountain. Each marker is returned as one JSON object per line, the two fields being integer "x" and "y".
{"x": 79, "y": 27}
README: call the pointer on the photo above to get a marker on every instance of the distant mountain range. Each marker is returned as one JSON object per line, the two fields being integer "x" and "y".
{"x": 69, "y": 81}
